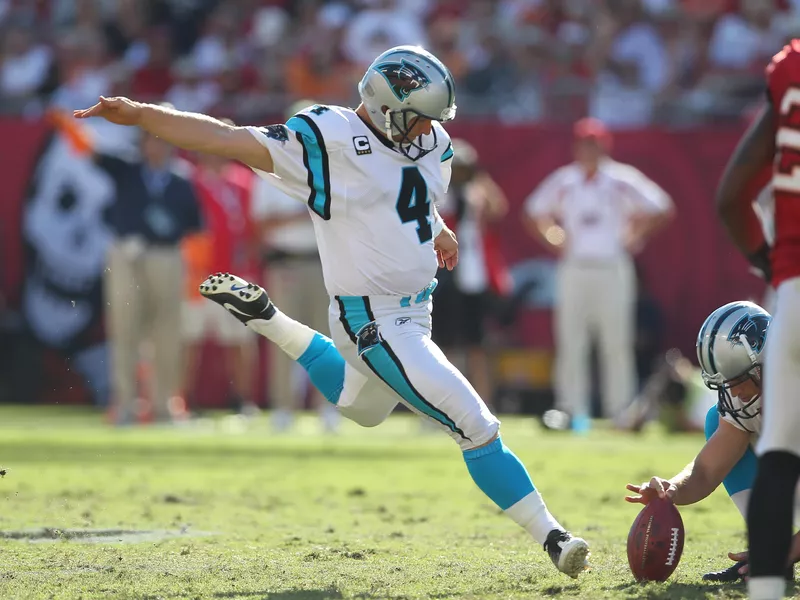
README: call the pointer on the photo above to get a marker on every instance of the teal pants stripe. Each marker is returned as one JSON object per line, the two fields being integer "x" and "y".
{"x": 381, "y": 359}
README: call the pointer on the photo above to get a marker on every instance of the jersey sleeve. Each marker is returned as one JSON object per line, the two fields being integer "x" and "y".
{"x": 302, "y": 151}
{"x": 783, "y": 72}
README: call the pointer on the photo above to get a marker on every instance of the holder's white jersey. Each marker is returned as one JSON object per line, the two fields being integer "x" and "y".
{"x": 372, "y": 207}
{"x": 753, "y": 425}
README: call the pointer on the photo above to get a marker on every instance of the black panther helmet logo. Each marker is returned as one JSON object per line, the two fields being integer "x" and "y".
{"x": 754, "y": 329}
{"x": 403, "y": 77}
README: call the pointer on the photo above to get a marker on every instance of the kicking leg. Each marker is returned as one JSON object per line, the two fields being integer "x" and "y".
{"x": 339, "y": 382}
{"x": 251, "y": 305}
{"x": 400, "y": 353}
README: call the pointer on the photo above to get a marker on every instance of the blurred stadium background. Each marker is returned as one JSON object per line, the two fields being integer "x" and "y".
{"x": 676, "y": 81}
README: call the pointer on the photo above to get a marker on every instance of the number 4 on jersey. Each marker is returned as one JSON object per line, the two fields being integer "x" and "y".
{"x": 413, "y": 203}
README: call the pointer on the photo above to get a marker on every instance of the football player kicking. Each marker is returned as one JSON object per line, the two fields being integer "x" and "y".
{"x": 730, "y": 347}
{"x": 371, "y": 178}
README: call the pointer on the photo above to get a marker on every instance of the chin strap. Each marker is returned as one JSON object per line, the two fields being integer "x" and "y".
{"x": 387, "y": 125}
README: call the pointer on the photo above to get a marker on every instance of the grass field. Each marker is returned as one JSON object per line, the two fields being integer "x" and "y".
{"x": 381, "y": 513}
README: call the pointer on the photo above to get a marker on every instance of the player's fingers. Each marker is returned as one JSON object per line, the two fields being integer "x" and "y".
{"x": 737, "y": 556}
{"x": 439, "y": 259}
{"x": 633, "y": 488}
{"x": 655, "y": 485}
{"x": 86, "y": 112}
{"x": 635, "y": 499}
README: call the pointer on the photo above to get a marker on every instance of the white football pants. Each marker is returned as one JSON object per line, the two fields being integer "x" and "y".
{"x": 399, "y": 362}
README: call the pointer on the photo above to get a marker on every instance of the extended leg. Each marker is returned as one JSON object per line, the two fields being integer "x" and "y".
{"x": 328, "y": 371}
{"x": 405, "y": 359}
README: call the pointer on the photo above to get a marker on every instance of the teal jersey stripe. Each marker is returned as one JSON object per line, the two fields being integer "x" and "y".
{"x": 448, "y": 154}
{"x": 315, "y": 159}
{"x": 355, "y": 313}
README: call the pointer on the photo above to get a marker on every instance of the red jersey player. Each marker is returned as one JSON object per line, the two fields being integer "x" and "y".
{"x": 773, "y": 139}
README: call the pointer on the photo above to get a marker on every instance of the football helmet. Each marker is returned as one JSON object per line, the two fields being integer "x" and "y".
{"x": 410, "y": 82}
{"x": 730, "y": 348}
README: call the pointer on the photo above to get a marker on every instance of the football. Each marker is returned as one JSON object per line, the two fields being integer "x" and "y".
{"x": 655, "y": 542}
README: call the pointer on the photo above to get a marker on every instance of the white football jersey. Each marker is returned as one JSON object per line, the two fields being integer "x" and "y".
{"x": 372, "y": 207}
{"x": 753, "y": 426}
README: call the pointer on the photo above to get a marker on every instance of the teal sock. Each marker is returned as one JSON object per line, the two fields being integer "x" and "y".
{"x": 325, "y": 367}
{"x": 499, "y": 473}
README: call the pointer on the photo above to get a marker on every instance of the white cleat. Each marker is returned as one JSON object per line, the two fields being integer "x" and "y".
{"x": 569, "y": 554}
{"x": 244, "y": 300}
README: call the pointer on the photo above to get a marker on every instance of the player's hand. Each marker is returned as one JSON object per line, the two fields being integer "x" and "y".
{"x": 446, "y": 247}
{"x": 739, "y": 556}
{"x": 119, "y": 110}
{"x": 650, "y": 490}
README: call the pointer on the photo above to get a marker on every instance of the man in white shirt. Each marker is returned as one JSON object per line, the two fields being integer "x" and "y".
{"x": 294, "y": 275}
{"x": 595, "y": 213}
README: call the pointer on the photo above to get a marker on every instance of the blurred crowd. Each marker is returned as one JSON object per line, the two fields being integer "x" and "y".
{"x": 665, "y": 61}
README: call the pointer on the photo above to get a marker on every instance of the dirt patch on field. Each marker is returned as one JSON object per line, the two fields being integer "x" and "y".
{"x": 95, "y": 536}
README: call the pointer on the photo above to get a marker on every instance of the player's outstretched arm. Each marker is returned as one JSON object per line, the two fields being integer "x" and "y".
{"x": 190, "y": 131}
{"x": 703, "y": 475}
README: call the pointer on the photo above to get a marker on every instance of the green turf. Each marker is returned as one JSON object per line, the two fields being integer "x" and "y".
{"x": 371, "y": 513}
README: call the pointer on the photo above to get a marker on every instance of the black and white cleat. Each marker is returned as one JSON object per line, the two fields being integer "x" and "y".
{"x": 569, "y": 554}
{"x": 244, "y": 300}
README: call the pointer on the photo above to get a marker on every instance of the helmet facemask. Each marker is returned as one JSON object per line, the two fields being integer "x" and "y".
{"x": 725, "y": 404}
{"x": 399, "y": 123}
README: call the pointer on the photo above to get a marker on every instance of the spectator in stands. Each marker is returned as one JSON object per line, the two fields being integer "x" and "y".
{"x": 318, "y": 72}
{"x": 294, "y": 279}
{"x": 227, "y": 244}
{"x": 189, "y": 91}
{"x": 381, "y": 24}
{"x": 24, "y": 67}
{"x": 595, "y": 213}
{"x": 154, "y": 78}
{"x": 464, "y": 298}
{"x": 634, "y": 61}
{"x": 221, "y": 46}
{"x": 632, "y": 65}
{"x": 82, "y": 70}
